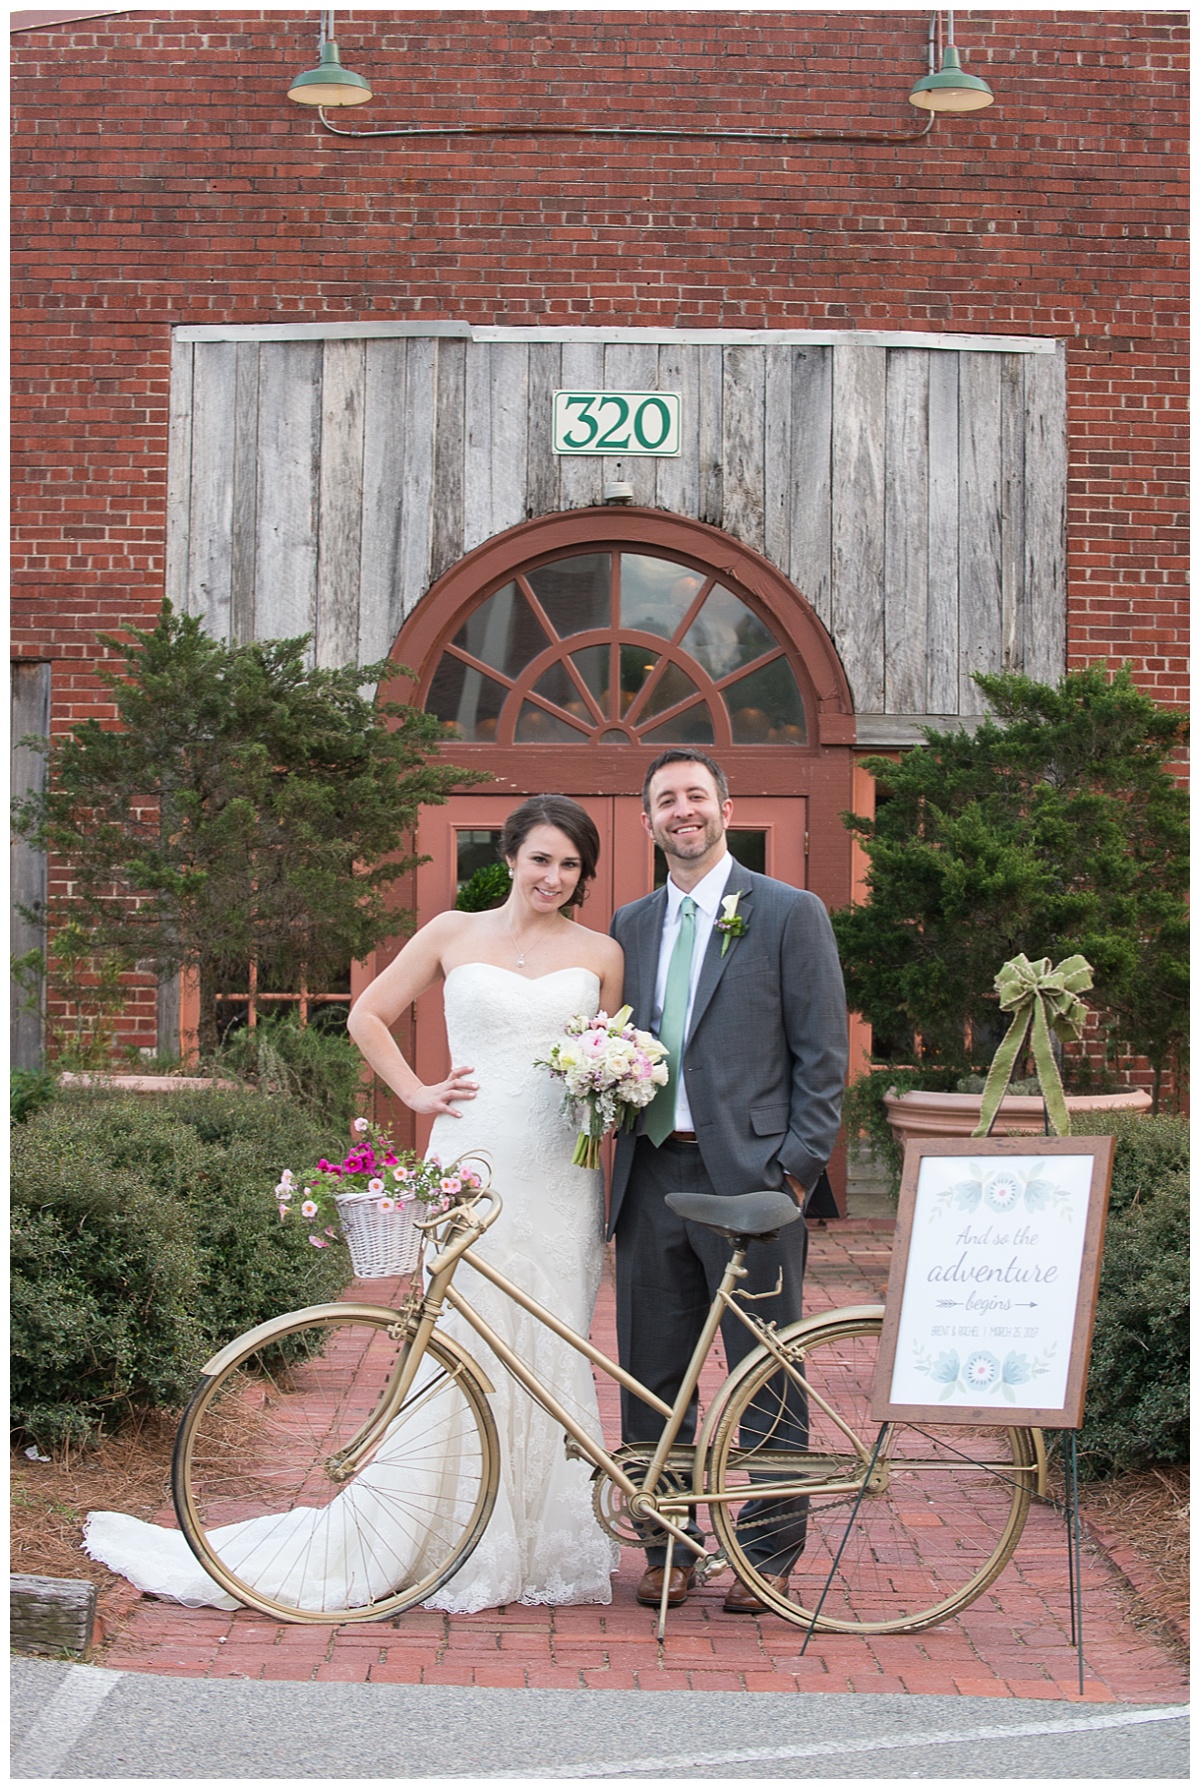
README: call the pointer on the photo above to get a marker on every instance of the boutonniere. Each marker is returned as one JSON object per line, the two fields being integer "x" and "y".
{"x": 731, "y": 924}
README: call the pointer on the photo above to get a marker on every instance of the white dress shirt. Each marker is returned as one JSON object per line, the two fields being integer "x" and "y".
{"x": 707, "y": 896}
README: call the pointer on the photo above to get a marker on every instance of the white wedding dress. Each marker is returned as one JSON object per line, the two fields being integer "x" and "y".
{"x": 542, "y": 1544}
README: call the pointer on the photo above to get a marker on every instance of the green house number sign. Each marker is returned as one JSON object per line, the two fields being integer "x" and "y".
{"x": 616, "y": 422}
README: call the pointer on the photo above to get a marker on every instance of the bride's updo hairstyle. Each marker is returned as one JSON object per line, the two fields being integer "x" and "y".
{"x": 568, "y": 817}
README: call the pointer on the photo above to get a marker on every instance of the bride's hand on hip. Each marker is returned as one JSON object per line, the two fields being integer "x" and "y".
{"x": 436, "y": 1100}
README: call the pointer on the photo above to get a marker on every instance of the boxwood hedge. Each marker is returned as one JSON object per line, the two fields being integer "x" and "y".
{"x": 143, "y": 1233}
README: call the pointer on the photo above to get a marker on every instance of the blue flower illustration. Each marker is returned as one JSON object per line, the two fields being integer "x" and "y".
{"x": 1038, "y": 1194}
{"x": 1003, "y": 1190}
{"x": 982, "y": 1370}
{"x": 1016, "y": 1369}
{"x": 945, "y": 1367}
{"x": 966, "y": 1194}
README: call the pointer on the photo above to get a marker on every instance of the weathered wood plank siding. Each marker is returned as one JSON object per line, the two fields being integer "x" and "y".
{"x": 29, "y": 718}
{"x": 916, "y": 496}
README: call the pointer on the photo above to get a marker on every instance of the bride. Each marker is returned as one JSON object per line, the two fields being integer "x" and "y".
{"x": 513, "y": 977}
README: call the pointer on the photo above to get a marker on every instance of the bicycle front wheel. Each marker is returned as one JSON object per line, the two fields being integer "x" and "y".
{"x": 938, "y": 1520}
{"x": 301, "y": 1503}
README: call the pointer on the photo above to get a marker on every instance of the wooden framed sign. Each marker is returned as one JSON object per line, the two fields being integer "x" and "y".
{"x": 992, "y": 1295}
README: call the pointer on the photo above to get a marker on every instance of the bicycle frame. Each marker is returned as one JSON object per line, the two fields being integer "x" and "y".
{"x": 655, "y": 1485}
{"x": 640, "y": 1493}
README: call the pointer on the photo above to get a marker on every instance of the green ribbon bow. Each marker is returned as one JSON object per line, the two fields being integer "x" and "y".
{"x": 1047, "y": 997}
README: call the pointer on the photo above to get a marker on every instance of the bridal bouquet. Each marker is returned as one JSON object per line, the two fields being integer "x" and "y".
{"x": 610, "y": 1070}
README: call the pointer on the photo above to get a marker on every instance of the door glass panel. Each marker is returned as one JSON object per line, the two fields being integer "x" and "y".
{"x": 466, "y": 698}
{"x": 747, "y": 843}
{"x": 636, "y": 665}
{"x": 575, "y": 593}
{"x": 476, "y": 846}
{"x": 672, "y": 687}
{"x": 766, "y": 707}
{"x": 692, "y": 727}
{"x": 656, "y": 593}
{"x": 503, "y": 632}
{"x": 726, "y": 634}
{"x": 557, "y": 685}
{"x": 536, "y": 727}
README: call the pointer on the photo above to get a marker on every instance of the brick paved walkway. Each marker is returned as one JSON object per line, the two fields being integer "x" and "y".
{"x": 1014, "y": 1641}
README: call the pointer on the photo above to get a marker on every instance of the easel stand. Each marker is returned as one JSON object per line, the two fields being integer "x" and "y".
{"x": 1036, "y": 1417}
{"x": 1074, "y": 1557}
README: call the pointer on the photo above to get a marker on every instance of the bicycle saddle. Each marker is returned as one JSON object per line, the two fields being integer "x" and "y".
{"x": 759, "y": 1214}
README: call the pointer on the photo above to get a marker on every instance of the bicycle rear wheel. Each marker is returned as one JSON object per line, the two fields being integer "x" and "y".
{"x": 282, "y": 1521}
{"x": 939, "y": 1520}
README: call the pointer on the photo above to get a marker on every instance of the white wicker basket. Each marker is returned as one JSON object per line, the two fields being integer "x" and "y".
{"x": 382, "y": 1243}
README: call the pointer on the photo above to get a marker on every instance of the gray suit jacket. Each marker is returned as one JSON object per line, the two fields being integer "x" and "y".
{"x": 766, "y": 1056}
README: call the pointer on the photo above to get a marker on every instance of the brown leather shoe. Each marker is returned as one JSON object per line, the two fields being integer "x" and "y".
{"x": 741, "y": 1600}
{"x": 649, "y": 1590}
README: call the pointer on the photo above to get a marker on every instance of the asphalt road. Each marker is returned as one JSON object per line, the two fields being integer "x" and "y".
{"x": 78, "y": 1721}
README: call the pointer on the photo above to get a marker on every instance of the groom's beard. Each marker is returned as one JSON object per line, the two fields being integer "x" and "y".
{"x": 688, "y": 850}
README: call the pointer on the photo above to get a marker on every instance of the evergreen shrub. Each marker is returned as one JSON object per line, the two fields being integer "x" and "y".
{"x": 1057, "y": 827}
{"x": 1137, "y": 1406}
{"x": 143, "y": 1235}
{"x": 29, "y": 1089}
{"x": 317, "y": 1065}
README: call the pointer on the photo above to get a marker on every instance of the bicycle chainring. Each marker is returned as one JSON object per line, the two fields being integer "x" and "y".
{"x": 609, "y": 1502}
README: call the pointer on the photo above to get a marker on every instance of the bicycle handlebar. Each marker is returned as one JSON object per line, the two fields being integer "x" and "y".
{"x": 464, "y": 1224}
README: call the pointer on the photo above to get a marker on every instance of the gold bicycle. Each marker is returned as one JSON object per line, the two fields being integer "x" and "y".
{"x": 340, "y": 1463}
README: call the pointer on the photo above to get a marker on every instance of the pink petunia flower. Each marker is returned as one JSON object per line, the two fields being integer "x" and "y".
{"x": 318, "y": 1242}
{"x": 360, "y": 1124}
{"x": 309, "y": 1208}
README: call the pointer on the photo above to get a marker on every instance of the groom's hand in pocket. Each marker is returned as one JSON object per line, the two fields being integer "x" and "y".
{"x": 795, "y": 1189}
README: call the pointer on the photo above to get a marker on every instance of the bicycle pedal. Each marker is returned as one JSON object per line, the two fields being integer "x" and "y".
{"x": 711, "y": 1566}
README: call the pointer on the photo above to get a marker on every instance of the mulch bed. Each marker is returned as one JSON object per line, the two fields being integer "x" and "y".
{"x": 1141, "y": 1518}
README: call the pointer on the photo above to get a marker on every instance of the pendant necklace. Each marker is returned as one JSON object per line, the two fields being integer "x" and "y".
{"x": 520, "y": 954}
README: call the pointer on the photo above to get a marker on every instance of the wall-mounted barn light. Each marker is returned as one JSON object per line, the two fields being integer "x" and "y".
{"x": 952, "y": 89}
{"x": 329, "y": 84}
{"x": 949, "y": 90}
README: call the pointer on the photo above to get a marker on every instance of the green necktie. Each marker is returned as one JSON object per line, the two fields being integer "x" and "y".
{"x": 660, "y": 1114}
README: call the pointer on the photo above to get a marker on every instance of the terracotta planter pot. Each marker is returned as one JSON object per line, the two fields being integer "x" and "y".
{"x": 917, "y": 1114}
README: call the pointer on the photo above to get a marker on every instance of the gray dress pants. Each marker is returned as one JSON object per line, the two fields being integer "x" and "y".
{"x": 667, "y": 1271}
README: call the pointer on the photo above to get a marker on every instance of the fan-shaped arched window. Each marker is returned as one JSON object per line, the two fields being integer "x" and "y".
{"x": 612, "y": 647}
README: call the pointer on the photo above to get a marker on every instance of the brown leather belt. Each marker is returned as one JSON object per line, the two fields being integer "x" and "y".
{"x": 682, "y": 1137}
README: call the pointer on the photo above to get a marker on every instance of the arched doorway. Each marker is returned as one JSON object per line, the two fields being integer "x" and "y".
{"x": 567, "y": 652}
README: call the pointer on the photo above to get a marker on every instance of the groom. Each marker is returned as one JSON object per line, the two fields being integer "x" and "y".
{"x": 739, "y": 975}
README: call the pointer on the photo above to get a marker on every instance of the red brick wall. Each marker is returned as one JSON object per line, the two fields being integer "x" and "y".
{"x": 160, "y": 176}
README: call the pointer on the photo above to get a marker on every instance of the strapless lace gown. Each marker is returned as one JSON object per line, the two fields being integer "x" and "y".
{"x": 542, "y": 1544}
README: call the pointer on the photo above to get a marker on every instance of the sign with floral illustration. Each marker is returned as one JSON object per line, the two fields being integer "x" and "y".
{"x": 991, "y": 1300}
